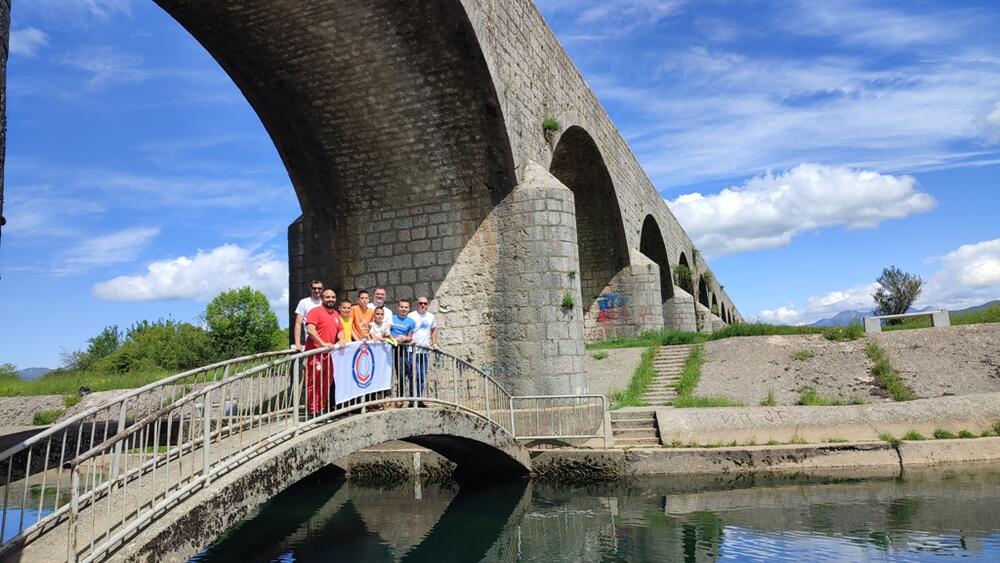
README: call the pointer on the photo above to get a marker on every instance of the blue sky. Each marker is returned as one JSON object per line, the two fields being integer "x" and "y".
{"x": 804, "y": 146}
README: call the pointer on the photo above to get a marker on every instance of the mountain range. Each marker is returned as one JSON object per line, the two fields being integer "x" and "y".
{"x": 845, "y": 318}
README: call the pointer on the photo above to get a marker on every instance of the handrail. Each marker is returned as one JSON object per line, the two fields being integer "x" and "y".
{"x": 48, "y": 448}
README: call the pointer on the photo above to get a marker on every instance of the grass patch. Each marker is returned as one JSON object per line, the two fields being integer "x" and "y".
{"x": 913, "y": 436}
{"x": 885, "y": 375}
{"x": 71, "y": 400}
{"x": 835, "y": 440}
{"x": 965, "y": 434}
{"x": 996, "y": 428}
{"x": 46, "y": 417}
{"x": 641, "y": 378}
{"x": 852, "y": 331}
{"x": 771, "y": 400}
{"x": 796, "y": 439}
{"x": 810, "y": 398}
{"x": 61, "y": 382}
{"x": 688, "y": 381}
{"x": 990, "y": 315}
{"x": 802, "y": 355}
{"x": 773, "y": 443}
{"x": 942, "y": 434}
{"x": 892, "y": 440}
{"x": 600, "y": 355}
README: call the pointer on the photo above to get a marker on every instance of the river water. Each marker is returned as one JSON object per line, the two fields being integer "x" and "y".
{"x": 921, "y": 516}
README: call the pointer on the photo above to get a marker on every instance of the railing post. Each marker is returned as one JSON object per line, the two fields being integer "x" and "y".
{"x": 295, "y": 395}
{"x": 74, "y": 514}
{"x": 118, "y": 445}
{"x": 206, "y": 454}
{"x": 486, "y": 396}
{"x": 513, "y": 431}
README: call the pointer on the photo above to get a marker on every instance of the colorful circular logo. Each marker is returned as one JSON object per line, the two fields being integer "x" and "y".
{"x": 364, "y": 366}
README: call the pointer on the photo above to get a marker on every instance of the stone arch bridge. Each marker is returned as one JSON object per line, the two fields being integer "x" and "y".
{"x": 413, "y": 135}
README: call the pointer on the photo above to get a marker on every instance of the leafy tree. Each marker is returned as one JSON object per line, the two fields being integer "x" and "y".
{"x": 683, "y": 278}
{"x": 8, "y": 370}
{"x": 105, "y": 343}
{"x": 896, "y": 292}
{"x": 241, "y": 322}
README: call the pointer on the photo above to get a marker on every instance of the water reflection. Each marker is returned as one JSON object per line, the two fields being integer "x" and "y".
{"x": 922, "y": 517}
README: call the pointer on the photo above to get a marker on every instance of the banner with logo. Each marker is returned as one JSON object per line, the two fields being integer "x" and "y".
{"x": 360, "y": 368}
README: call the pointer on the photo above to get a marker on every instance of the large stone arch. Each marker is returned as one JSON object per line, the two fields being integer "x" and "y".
{"x": 387, "y": 119}
{"x": 600, "y": 233}
{"x": 481, "y": 450}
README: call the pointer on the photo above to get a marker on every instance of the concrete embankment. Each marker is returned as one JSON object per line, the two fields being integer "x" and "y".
{"x": 818, "y": 424}
{"x": 860, "y": 458}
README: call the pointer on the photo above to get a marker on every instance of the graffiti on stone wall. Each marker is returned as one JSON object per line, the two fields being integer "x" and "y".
{"x": 611, "y": 307}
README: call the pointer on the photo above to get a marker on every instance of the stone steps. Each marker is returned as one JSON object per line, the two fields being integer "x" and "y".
{"x": 668, "y": 363}
{"x": 635, "y": 428}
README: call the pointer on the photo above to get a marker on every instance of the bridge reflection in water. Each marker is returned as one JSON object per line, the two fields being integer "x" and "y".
{"x": 921, "y": 517}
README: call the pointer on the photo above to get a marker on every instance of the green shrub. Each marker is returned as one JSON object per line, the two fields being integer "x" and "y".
{"x": 600, "y": 355}
{"x": 773, "y": 443}
{"x": 71, "y": 400}
{"x": 893, "y": 441}
{"x": 550, "y": 125}
{"x": 913, "y": 436}
{"x": 942, "y": 434}
{"x": 965, "y": 434}
{"x": 996, "y": 428}
{"x": 802, "y": 355}
{"x": 853, "y": 331}
{"x": 163, "y": 344}
{"x": 641, "y": 378}
{"x": 46, "y": 417}
{"x": 809, "y": 397}
{"x": 684, "y": 278}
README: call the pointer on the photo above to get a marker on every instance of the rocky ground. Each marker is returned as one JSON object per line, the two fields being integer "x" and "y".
{"x": 934, "y": 362}
{"x": 612, "y": 373}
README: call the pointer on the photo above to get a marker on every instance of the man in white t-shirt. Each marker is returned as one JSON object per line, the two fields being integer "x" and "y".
{"x": 378, "y": 300}
{"x": 425, "y": 335}
{"x": 307, "y": 304}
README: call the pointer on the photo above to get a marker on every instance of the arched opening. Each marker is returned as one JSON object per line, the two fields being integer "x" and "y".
{"x": 684, "y": 275}
{"x": 578, "y": 164}
{"x": 703, "y": 292}
{"x": 715, "y": 305}
{"x": 722, "y": 311}
{"x": 386, "y": 118}
{"x": 651, "y": 245}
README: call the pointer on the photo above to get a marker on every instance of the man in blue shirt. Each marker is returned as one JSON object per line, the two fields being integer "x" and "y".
{"x": 402, "y": 332}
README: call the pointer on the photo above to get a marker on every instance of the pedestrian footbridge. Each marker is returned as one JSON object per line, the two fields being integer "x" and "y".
{"x": 161, "y": 471}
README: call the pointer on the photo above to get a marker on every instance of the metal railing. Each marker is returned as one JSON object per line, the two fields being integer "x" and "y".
{"x": 560, "y": 417}
{"x": 122, "y": 483}
{"x": 178, "y": 435}
{"x": 35, "y": 481}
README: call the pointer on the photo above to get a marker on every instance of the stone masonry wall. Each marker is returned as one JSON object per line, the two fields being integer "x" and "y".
{"x": 678, "y": 312}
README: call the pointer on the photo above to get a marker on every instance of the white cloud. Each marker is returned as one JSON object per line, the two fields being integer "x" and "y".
{"x": 202, "y": 277}
{"x": 967, "y": 276}
{"x": 28, "y": 41}
{"x": 115, "y": 248}
{"x": 768, "y": 210}
{"x": 599, "y": 19}
{"x": 106, "y": 66}
{"x": 100, "y": 9}
{"x": 859, "y": 23}
{"x": 992, "y": 122}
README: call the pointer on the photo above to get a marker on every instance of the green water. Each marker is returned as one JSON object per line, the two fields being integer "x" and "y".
{"x": 922, "y": 516}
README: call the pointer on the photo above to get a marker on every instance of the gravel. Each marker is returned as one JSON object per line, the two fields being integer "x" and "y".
{"x": 934, "y": 362}
{"x": 613, "y": 373}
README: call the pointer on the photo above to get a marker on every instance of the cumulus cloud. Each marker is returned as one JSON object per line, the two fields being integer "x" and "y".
{"x": 28, "y": 41}
{"x": 992, "y": 123}
{"x": 115, "y": 248}
{"x": 769, "y": 210}
{"x": 857, "y": 298}
{"x": 202, "y": 277}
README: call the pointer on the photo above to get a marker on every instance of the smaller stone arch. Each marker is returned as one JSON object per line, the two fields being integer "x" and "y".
{"x": 652, "y": 246}
{"x": 685, "y": 282}
{"x": 714, "y": 307}
{"x": 703, "y": 297}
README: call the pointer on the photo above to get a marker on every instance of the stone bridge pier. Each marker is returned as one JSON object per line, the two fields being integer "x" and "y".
{"x": 451, "y": 149}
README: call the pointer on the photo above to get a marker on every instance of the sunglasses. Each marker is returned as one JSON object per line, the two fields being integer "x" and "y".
{"x": 422, "y": 304}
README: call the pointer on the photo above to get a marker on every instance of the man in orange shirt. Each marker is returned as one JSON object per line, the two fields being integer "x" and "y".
{"x": 325, "y": 329}
{"x": 361, "y": 317}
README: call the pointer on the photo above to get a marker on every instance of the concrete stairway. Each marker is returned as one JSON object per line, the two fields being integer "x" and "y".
{"x": 669, "y": 362}
{"x": 635, "y": 428}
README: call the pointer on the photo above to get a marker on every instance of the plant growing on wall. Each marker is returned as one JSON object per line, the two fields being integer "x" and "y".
{"x": 549, "y": 128}
{"x": 571, "y": 275}
{"x": 567, "y": 300}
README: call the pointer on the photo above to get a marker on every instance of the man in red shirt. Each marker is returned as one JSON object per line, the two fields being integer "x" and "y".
{"x": 325, "y": 329}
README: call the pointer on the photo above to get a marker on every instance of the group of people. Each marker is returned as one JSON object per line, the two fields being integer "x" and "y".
{"x": 321, "y": 320}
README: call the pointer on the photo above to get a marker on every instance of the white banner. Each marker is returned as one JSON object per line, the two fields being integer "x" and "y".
{"x": 360, "y": 368}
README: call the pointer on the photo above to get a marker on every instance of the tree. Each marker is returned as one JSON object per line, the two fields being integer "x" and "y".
{"x": 8, "y": 370}
{"x": 241, "y": 322}
{"x": 896, "y": 292}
